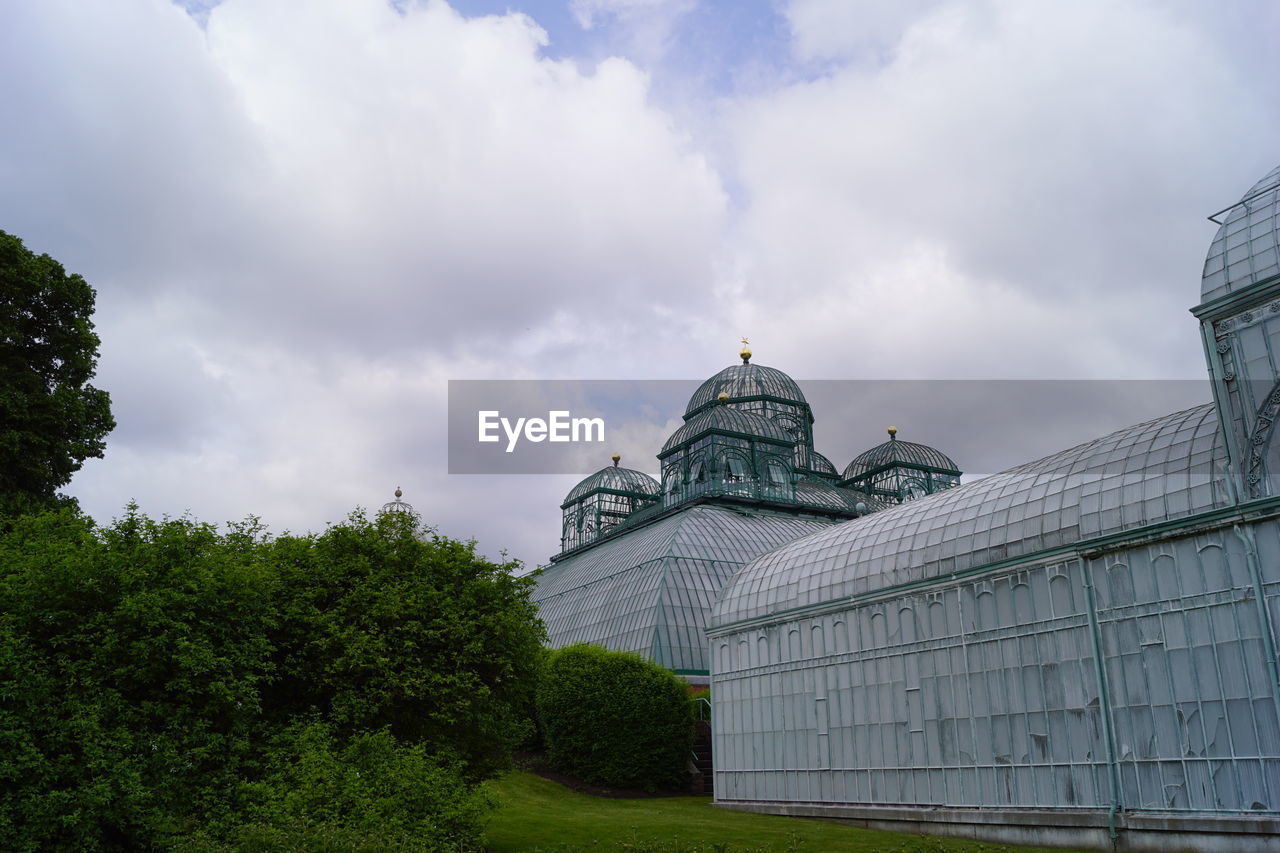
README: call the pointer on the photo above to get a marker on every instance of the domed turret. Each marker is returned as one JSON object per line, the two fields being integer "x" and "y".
{"x": 763, "y": 391}
{"x": 901, "y": 470}
{"x": 748, "y": 383}
{"x": 724, "y": 450}
{"x": 729, "y": 421}
{"x": 398, "y": 505}
{"x": 602, "y": 501}
{"x": 1240, "y": 321}
{"x": 1246, "y": 249}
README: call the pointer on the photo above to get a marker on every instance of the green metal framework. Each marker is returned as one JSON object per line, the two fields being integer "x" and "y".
{"x": 899, "y": 471}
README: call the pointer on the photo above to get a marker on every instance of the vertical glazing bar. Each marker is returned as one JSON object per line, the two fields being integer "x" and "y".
{"x": 1104, "y": 695}
{"x": 1223, "y": 400}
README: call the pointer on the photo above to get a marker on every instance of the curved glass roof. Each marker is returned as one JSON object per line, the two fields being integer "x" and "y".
{"x": 824, "y": 495}
{"x": 895, "y": 451}
{"x": 746, "y": 381}
{"x": 651, "y": 589}
{"x": 614, "y": 479}
{"x": 725, "y": 418}
{"x": 1157, "y": 471}
{"x": 1245, "y": 250}
{"x": 821, "y": 464}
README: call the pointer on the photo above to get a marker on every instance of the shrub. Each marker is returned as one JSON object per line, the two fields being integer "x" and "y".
{"x": 369, "y": 793}
{"x": 614, "y": 718}
{"x": 164, "y": 683}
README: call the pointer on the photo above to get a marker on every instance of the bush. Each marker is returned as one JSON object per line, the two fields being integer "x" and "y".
{"x": 164, "y": 683}
{"x": 614, "y": 718}
{"x": 371, "y": 793}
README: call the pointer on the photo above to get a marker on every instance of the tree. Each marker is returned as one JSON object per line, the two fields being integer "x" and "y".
{"x": 51, "y": 418}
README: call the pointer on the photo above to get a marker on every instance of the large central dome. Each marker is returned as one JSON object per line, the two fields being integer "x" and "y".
{"x": 747, "y": 382}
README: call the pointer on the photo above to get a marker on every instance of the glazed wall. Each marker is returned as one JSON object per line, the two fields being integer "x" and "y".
{"x": 987, "y": 692}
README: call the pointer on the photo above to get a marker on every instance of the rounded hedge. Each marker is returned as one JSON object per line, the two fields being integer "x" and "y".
{"x": 614, "y": 718}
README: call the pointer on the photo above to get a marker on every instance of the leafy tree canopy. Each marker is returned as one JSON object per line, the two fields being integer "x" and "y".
{"x": 167, "y": 685}
{"x": 51, "y": 418}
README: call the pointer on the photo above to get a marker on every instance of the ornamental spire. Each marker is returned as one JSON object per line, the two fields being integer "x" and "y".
{"x": 746, "y": 352}
{"x": 617, "y": 457}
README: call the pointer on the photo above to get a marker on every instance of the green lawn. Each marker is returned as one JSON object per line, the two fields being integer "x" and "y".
{"x": 539, "y": 815}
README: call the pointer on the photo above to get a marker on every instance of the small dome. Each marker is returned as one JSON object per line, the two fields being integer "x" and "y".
{"x": 1246, "y": 248}
{"x": 746, "y": 382}
{"x": 614, "y": 479}
{"x": 821, "y": 464}
{"x": 893, "y": 452}
{"x": 723, "y": 418}
{"x": 398, "y": 505}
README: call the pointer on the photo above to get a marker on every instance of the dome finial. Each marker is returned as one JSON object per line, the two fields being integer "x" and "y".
{"x": 746, "y": 352}
{"x": 399, "y": 494}
{"x": 723, "y": 396}
{"x": 893, "y": 433}
{"x": 617, "y": 457}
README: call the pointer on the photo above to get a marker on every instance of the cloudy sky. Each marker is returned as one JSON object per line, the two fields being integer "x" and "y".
{"x": 303, "y": 219}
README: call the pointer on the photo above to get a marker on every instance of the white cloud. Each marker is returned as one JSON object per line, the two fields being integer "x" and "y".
{"x": 303, "y": 219}
{"x": 1017, "y": 192}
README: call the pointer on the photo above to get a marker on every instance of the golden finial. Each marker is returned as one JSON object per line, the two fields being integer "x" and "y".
{"x": 617, "y": 457}
{"x": 746, "y": 352}
{"x": 723, "y": 396}
{"x": 893, "y": 433}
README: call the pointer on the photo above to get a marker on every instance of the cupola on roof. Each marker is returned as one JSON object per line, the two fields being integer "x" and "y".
{"x": 895, "y": 452}
{"x": 724, "y": 418}
{"x": 746, "y": 382}
{"x": 614, "y": 479}
{"x": 1246, "y": 249}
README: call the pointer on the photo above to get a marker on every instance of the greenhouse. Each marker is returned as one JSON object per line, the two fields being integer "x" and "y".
{"x": 1078, "y": 651}
{"x": 641, "y": 560}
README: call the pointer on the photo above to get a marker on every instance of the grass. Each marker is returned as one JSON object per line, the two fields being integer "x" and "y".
{"x": 536, "y": 815}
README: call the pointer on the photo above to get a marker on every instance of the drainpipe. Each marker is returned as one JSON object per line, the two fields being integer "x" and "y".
{"x": 1104, "y": 698}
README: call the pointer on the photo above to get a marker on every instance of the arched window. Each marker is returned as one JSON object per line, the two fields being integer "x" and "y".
{"x": 697, "y": 472}
{"x": 776, "y": 473}
{"x": 671, "y": 479}
{"x": 735, "y": 468}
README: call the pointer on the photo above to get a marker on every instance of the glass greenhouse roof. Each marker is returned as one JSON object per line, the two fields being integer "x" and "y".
{"x": 614, "y": 479}
{"x": 746, "y": 381}
{"x": 726, "y": 419}
{"x": 1246, "y": 248}
{"x": 894, "y": 452}
{"x": 650, "y": 590}
{"x": 821, "y": 464}
{"x": 1158, "y": 471}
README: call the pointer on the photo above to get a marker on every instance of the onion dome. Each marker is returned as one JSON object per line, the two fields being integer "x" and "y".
{"x": 746, "y": 383}
{"x": 895, "y": 453}
{"x": 728, "y": 420}
{"x": 615, "y": 480}
{"x": 1246, "y": 249}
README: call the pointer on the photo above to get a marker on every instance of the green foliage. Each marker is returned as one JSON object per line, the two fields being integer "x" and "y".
{"x": 615, "y": 718}
{"x": 162, "y": 681}
{"x": 369, "y": 793}
{"x": 51, "y": 418}
{"x": 384, "y": 624}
